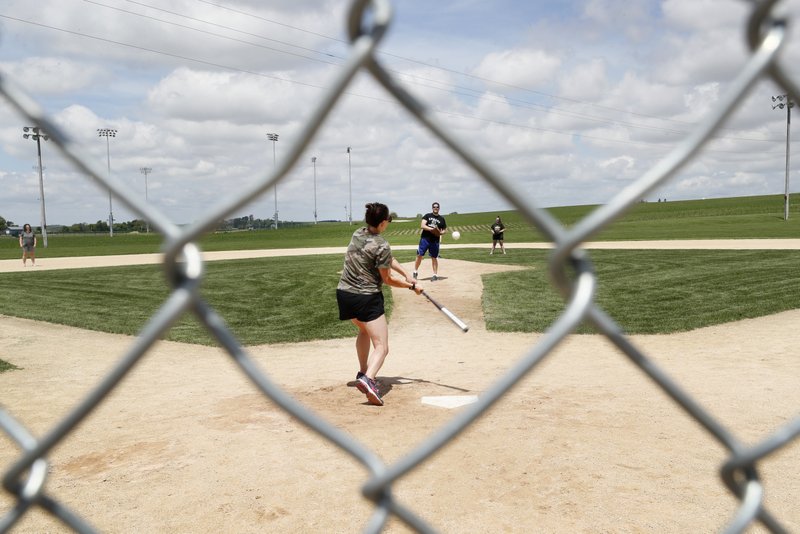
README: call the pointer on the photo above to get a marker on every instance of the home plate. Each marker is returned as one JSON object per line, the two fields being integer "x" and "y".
{"x": 450, "y": 401}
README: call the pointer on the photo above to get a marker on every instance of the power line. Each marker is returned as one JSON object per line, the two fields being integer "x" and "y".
{"x": 444, "y": 69}
{"x": 452, "y": 88}
{"x": 142, "y": 15}
{"x": 377, "y": 99}
{"x": 264, "y": 19}
{"x": 162, "y": 52}
{"x": 482, "y": 79}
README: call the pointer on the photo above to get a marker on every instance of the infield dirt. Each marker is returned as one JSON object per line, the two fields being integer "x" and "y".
{"x": 585, "y": 443}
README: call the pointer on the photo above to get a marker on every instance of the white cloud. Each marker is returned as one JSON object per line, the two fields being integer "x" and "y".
{"x": 52, "y": 75}
{"x": 587, "y": 81}
{"x": 522, "y": 67}
{"x": 704, "y": 15}
{"x": 618, "y": 164}
{"x": 644, "y": 96}
{"x": 631, "y": 18}
{"x": 702, "y": 57}
{"x": 234, "y": 97}
{"x": 702, "y": 98}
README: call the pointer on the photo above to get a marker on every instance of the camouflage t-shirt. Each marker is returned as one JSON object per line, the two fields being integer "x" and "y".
{"x": 366, "y": 253}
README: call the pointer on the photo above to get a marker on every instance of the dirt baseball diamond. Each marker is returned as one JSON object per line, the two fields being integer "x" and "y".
{"x": 585, "y": 443}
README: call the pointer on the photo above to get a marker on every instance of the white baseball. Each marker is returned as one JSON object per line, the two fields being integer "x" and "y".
{"x": 456, "y": 235}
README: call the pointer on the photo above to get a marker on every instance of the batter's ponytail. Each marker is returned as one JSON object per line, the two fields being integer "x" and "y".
{"x": 376, "y": 214}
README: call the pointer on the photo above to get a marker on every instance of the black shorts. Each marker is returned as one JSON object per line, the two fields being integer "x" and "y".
{"x": 365, "y": 308}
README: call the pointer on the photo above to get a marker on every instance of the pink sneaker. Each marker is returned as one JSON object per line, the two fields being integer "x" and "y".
{"x": 370, "y": 389}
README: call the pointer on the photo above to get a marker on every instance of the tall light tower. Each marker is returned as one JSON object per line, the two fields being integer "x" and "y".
{"x": 780, "y": 102}
{"x": 274, "y": 138}
{"x": 108, "y": 132}
{"x": 314, "y": 163}
{"x": 350, "y": 182}
{"x": 37, "y": 135}
{"x": 146, "y": 171}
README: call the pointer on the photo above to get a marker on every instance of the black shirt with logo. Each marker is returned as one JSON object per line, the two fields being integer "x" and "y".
{"x": 434, "y": 221}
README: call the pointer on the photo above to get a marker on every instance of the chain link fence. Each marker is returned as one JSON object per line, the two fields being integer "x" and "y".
{"x": 569, "y": 266}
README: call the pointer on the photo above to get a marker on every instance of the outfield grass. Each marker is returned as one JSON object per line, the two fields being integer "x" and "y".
{"x": 263, "y": 301}
{"x": 647, "y": 291}
{"x": 290, "y": 299}
{"x": 274, "y": 300}
{"x": 730, "y": 218}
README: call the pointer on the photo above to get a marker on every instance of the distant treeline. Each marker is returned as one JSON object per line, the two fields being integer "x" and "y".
{"x": 139, "y": 225}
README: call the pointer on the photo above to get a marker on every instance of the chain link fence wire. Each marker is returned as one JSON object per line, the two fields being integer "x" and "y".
{"x": 569, "y": 266}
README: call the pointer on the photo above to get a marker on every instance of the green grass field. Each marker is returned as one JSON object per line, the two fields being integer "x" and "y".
{"x": 647, "y": 291}
{"x": 729, "y": 218}
{"x": 263, "y": 300}
{"x": 292, "y": 299}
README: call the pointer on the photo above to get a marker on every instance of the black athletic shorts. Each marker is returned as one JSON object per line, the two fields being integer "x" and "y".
{"x": 365, "y": 308}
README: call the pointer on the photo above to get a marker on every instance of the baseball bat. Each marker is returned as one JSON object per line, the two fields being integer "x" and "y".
{"x": 450, "y": 315}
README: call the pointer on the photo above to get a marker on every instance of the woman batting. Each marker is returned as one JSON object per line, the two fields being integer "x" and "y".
{"x": 368, "y": 264}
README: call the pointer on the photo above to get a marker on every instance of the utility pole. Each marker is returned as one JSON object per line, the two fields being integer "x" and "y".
{"x": 274, "y": 138}
{"x": 108, "y": 132}
{"x": 350, "y": 181}
{"x": 146, "y": 171}
{"x": 314, "y": 163}
{"x": 783, "y": 101}
{"x": 37, "y": 135}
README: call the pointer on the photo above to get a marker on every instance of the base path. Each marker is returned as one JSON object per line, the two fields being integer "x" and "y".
{"x": 584, "y": 443}
{"x": 43, "y": 262}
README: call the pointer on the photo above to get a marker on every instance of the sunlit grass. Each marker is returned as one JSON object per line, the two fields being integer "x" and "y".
{"x": 647, "y": 291}
{"x": 270, "y": 300}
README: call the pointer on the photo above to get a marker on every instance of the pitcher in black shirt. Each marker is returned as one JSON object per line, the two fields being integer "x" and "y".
{"x": 433, "y": 226}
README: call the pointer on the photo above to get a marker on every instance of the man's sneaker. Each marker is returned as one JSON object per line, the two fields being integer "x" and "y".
{"x": 434, "y": 278}
{"x": 414, "y": 275}
{"x": 370, "y": 389}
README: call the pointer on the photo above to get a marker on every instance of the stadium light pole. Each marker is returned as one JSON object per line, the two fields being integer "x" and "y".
{"x": 350, "y": 182}
{"x": 780, "y": 102}
{"x": 314, "y": 163}
{"x": 146, "y": 171}
{"x": 274, "y": 138}
{"x": 37, "y": 135}
{"x": 108, "y": 132}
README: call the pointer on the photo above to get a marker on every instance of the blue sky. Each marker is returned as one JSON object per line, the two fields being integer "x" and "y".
{"x": 572, "y": 100}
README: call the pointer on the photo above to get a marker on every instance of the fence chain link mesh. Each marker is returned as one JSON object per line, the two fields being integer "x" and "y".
{"x": 569, "y": 266}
